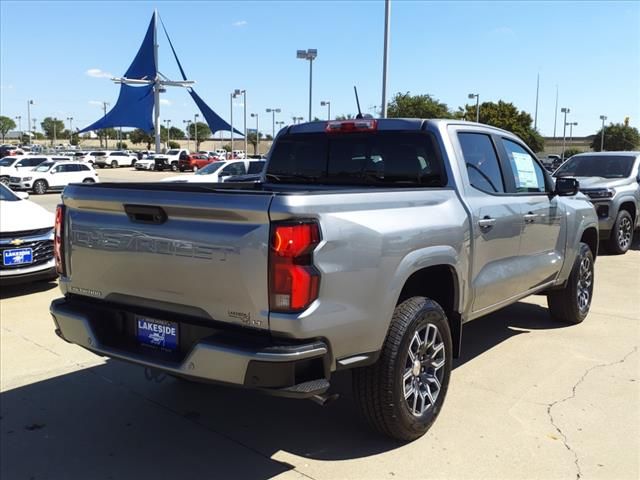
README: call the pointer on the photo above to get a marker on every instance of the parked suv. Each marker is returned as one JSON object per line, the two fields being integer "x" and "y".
{"x": 612, "y": 181}
{"x": 13, "y": 165}
{"x": 115, "y": 159}
{"x": 194, "y": 162}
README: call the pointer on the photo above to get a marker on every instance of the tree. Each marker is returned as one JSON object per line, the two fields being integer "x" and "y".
{"x": 106, "y": 134}
{"x": 176, "y": 133}
{"x": 140, "y": 136}
{"x": 405, "y": 105}
{"x": 570, "y": 152}
{"x": 173, "y": 144}
{"x": 252, "y": 139}
{"x": 6, "y": 124}
{"x": 617, "y": 136}
{"x": 202, "y": 130}
{"x": 121, "y": 145}
{"x": 52, "y": 128}
{"x": 506, "y": 116}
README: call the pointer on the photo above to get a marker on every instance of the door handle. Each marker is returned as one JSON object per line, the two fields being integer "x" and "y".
{"x": 486, "y": 223}
{"x": 530, "y": 217}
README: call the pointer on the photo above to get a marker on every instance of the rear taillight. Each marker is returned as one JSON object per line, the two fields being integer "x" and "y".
{"x": 293, "y": 280}
{"x": 58, "y": 241}
{"x": 356, "y": 125}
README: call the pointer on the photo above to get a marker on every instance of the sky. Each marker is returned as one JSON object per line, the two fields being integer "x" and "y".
{"x": 61, "y": 55}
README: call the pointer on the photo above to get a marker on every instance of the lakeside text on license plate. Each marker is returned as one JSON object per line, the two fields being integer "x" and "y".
{"x": 17, "y": 256}
{"x": 157, "y": 333}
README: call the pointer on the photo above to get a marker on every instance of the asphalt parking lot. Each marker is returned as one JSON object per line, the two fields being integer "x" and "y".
{"x": 530, "y": 398}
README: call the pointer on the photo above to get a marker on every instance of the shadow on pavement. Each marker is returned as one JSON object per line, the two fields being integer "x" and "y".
{"x": 108, "y": 421}
{"x": 10, "y": 291}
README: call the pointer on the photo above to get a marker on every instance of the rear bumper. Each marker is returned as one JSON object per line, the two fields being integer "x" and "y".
{"x": 282, "y": 368}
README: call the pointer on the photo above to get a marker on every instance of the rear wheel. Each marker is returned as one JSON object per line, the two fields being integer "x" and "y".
{"x": 114, "y": 164}
{"x": 174, "y": 166}
{"x": 88, "y": 180}
{"x": 195, "y": 168}
{"x": 40, "y": 187}
{"x": 572, "y": 303}
{"x": 622, "y": 233}
{"x": 402, "y": 393}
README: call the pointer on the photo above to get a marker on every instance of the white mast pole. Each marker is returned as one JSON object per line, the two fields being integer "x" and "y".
{"x": 157, "y": 85}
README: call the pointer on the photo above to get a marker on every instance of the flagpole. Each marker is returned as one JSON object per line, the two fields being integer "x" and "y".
{"x": 535, "y": 122}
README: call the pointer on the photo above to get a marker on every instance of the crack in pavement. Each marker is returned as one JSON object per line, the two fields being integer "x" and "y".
{"x": 573, "y": 395}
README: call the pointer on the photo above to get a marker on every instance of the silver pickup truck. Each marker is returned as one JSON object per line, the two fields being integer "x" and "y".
{"x": 367, "y": 246}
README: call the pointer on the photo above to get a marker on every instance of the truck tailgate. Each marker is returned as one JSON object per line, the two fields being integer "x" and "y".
{"x": 208, "y": 258}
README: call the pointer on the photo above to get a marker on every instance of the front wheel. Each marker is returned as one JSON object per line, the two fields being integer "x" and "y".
{"x": 402, "y": 393}
{"x": 571, "y": 304}
{"x": 40, "y": 187}
{"x": 88, "y": 180}
{"x": 622, "y": 233}
{"x": 195, "y": 168}
{"x": 4, "y": 180}
{"x": 174, "y": 167}
{"x": 114, "y": 164}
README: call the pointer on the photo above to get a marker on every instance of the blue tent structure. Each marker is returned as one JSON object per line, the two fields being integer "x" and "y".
{"x": 140, "y": 92}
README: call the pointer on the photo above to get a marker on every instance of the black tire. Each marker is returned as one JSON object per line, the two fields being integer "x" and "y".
{"x": 621, "y": 234}
{"x": 88, "y": 180}
{"x": 569, "y": 305}
{"x": 380, "y": 390}
{"x": 114, "y": 164}
{"x": 195, "y": 168}
{"x": 174, "y": 166}
{"x": 40, "y": 187}
{"x": 182, "y": 169}
{"x": 4, "y": 181}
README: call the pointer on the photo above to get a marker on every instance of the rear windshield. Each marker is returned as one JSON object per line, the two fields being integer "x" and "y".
{"x": 256, "y": 167}
{"x": 607, "y": 166}
{"x": 379, "y": 158}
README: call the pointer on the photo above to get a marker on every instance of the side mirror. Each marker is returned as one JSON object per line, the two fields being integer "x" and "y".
{"x": 22, "y": 195}
{"x": 566, "y": 186}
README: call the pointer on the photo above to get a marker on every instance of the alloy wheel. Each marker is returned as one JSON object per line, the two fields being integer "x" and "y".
{"x": 585, "y": 283}
{"x": 624, "y": 233}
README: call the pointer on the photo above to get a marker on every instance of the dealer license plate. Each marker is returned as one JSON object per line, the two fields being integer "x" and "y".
{"x": 157, "y": 333}
{"x": 17, "y": 256}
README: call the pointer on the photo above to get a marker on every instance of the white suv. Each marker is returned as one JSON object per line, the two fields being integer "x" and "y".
{"x": 53, "y": 175}
{"x": 114, "y": 159}
{"x": 13, "y": 165}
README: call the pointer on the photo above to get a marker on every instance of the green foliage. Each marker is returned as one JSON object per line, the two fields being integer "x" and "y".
{"x": 252, "y": 139}
{"x": 227, "y": 147}
{"x": 570, "y": 152}
{"x": 121, "y": 145}
{"x": 140, "y": 136}
{"x": 52, "y": 127}
{"x": 176, "y": 133}
{"x": 6, "y": 124}
{"x": 203, "y": 131}
{"x": 506, "y": 116}
{"x": 173, "y": 144}
{"x": 74, "y": 140}
{"x": 617, "y": 137}
{"x": 405, "y": 105}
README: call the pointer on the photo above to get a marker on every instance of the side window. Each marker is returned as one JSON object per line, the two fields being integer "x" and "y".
{"x": 482, "y": 162}
{"x": 83, "y": 168}
{"x": 527, "y": 173}
{"x": 236, "y": 168}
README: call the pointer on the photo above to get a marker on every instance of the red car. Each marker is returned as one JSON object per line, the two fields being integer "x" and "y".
{"x": 194, "y": 162}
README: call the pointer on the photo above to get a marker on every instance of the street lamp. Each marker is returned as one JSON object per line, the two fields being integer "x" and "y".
{"x": 29, "y": 103}
{"x": 327, "y": 103}
{"x": 310, "y": 55}
{"x": 236, "y": 93}
{"x": 188, "y": 123}
{"x": 603, "y": 118}
{"x": 195, "y": 130}
{"x": 564, "y": 130}
{"x": 571, "y": 125}
{"x": 477, "y": 97}
{"x": 273, "y": 112}
{"x": 70, "y": 119}
{"x": 280, "y": 124}
{"x": 297, "y": 120}
{"x": 19, "y": 118}
{"x": 55, "y": 120}
{"x": 168, "y": 122}
{"x": 257, "y": 150}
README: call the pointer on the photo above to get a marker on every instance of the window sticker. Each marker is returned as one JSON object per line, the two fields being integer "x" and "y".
{"x": 525, "y": 171}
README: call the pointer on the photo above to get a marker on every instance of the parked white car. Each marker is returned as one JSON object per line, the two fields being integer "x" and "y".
{"x": 54, "y": 176}
{"x": 214, "y": 172}
{"x": 26, "y": 239}
{"x": 13, "y": 165}
{"x": 114, "y": 159}
{"x": 147, "y": 163}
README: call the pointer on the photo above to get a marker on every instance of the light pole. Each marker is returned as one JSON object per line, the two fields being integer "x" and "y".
{"x": 55, "y": 120}
{"x": 257, "y": 150}
{"x": 310, "y": 55}
{"x": 327, "y": 103}
{"x": 34, "y": 120}
{"x": 564, "y": 130}
{"x": 477, "y": 97}
{"x": 188, "y": 123}
{"x": 273, "y": 112}
{"x": 231, "y": 95}
{"x": 195, "y": 130}
{"x": 106, "y": 136}
{"x": 571, "y": 125}
{"x": 70, "y": 119}
{"x": 19, "y": 118}
{"x": 29, "y": 103}
{"x": 603, "y": 118}
{"x": 168, "y": 122}
{"x": 297, "y": 120}
{"x": 280, "y": 124}
{"x": 236, "y": 93}
{"x": 385, "y": 57}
